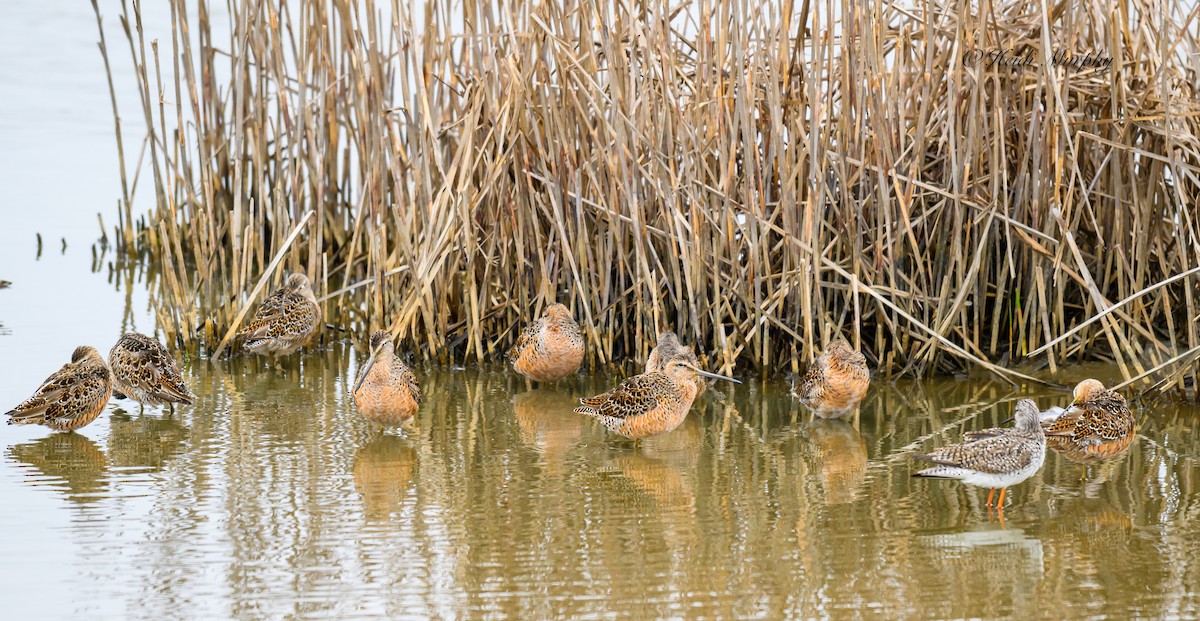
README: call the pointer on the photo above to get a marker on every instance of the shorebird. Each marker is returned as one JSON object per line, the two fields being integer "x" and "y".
{"x": 1000, "y": 459}
{"x": 386, "y": 392}
{"x": 550, "y": 348}
{"x": 836, "y": 382}
{"x": 71, "y": 398}
{"x": 651, "y": 403}
{"x": 285, "y": 321}
{"x": 668, "y": 347}
{"x": 1097, "y": 425}
{"x": 143, "y": 370}
{"x": 1044, "y": 417}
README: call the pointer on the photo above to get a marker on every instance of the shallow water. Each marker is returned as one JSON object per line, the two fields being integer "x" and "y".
{"x": 270, "y": 497}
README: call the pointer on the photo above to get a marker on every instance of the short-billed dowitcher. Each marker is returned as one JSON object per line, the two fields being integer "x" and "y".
{"x": 669, "y": 347}
{"x": 143, "y": 370}
{"x": 836, "y": 382}
{"x": 285, "y": 321}
{"x": 1097, "y": 425}
{"x": 71, "y": 398}
{"x": 997, "y": 460}
{"x": 648, "y": 404}
{"x": 550, "y": 348}
{"x": 386, "y": 392}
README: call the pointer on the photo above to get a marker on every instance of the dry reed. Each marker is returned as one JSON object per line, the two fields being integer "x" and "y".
{"x": 757, "y": 176}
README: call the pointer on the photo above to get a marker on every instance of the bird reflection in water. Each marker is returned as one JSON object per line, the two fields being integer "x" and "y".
{"x": 383, "y": 472}
{"x": 838, "y": 454}
{"x": 145, "y": 441}
{"x": 66, "y": 462}
{"x": 548, "y": 425}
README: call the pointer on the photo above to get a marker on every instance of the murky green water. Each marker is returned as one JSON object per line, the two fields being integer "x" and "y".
{"x": 271, "y": 498}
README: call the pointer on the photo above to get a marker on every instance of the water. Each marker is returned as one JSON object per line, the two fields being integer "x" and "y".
{"x": 270, "y": 498}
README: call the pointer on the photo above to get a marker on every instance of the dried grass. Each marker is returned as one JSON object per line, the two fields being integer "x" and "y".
{"x": 753, "y": 175}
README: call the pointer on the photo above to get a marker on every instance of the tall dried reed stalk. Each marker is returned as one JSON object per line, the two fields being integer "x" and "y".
{"x": 755, "y": 175}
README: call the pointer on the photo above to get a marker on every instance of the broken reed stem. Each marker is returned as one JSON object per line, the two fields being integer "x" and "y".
{"x": 757, "y": 177}
{"x": 258, "y": 287}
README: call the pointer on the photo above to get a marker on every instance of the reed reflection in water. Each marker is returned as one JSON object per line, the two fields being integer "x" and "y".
{"x": 272, "y": 497}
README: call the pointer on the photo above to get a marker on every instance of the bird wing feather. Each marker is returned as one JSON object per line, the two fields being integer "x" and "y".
{"x": 633, "y": 396}
{"x": 994, "y": 455}
{"x": 527, "y": 337}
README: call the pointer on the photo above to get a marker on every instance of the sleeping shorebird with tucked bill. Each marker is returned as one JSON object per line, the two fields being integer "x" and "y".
{"x": 651, "y": 403}
{"x": 386, "y": 392}
{"x": 549, "y": 348}
{"x": 285, "y": 321}
{"x": 143, "y": 370}
{"x": 669, "y": 347}
{"x": 1096, "y": 426}
{"x": 836, "y": 382}
{"x": 71, "y": 398}
{"x": 997, "y": 458}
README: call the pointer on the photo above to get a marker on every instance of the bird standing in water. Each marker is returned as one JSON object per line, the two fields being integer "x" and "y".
{"x": 285, "y": 321}
{"x": 668, "y": 347}
{"x": 386, "y": 392}
{"x": 651, "y": 403}
{"x": 1097, "y": 425}
{"x": 71, "y": 398}
{"x": 836, "y": 382}
{"x": 550, "y": 348}
{"x": 143, "y": 370}
{"x": 997, "y": 459}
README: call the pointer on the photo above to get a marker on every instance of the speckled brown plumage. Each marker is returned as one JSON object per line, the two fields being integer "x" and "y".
{"x": 836, "y": 382}
{"x": 645, "y": 405}
{"x": 1098, "y": 424}
{"x": 668, "y": 347}
{"x": 549, "y": 348}
{"x": 285, "y": 321}
{"x": 999, "y": 460}
{"x": 70, "y": 398}
{"x": 143, "y": 370}
{"x": 386, "y": 392}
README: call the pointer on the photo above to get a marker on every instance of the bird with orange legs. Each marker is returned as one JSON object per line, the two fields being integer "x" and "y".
{"x": 836, "y": 382}
{"x": 549, "y": 348}
{"x": 999, "y": 459}
{"x": 651, "y": 403}
{"x": 70, "y": 398}
{"x": 1096, "y": 426}
{"x": 386, "y": 392}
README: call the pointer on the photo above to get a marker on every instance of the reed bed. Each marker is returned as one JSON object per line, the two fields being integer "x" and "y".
{"x": 758, "y": 176}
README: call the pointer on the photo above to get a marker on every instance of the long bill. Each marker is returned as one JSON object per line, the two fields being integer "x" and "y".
{"x": 717, "y": 376}
{"x": 362, "y": 377}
